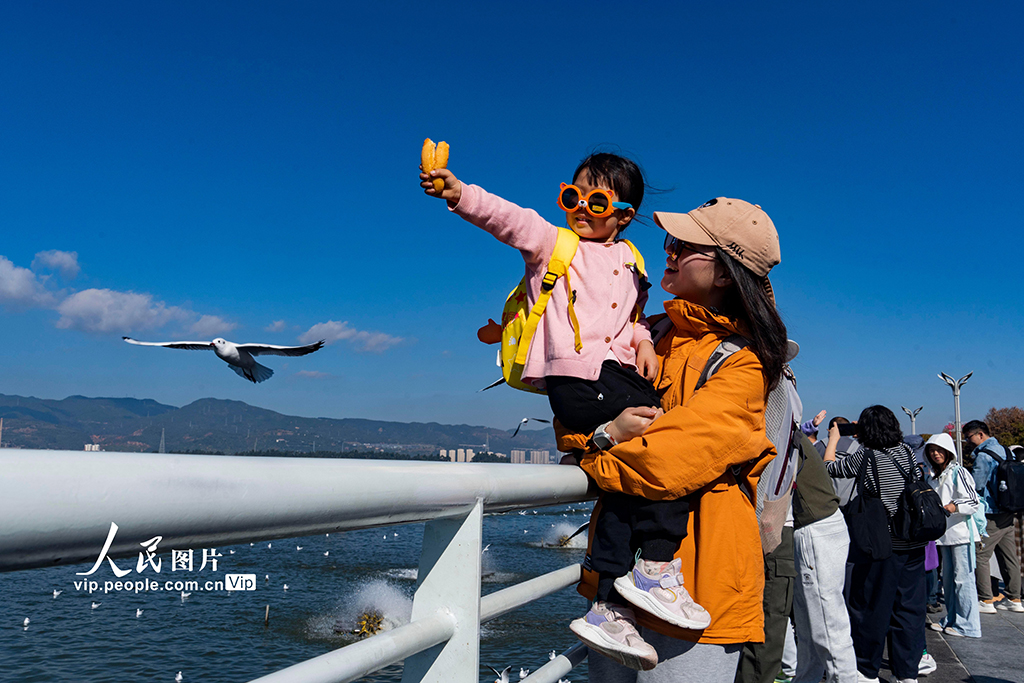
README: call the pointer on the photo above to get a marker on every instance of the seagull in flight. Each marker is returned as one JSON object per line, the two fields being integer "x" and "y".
{"x": 524, "y": 421}
{"x": 239, "y": 357}
{"x": 502, "y": 676}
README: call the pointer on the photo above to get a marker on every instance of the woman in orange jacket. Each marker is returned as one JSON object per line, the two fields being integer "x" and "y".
{"x": 709, "y": 444}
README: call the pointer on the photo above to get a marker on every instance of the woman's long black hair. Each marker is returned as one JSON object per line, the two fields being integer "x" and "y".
{"x": 748, "y": 300}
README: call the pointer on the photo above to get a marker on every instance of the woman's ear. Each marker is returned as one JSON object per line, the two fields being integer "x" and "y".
{"x": 722, "y": 277}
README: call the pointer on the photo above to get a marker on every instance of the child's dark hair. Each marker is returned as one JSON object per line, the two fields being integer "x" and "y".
{"x": 748, "y": 301}
{"x": 618, "y": 173}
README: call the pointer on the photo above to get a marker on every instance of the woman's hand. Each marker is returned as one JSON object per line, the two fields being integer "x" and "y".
{"x": 452, "y": 187}
{"x": 819, "y": 418}
{"x": 647, "y": 360}
{"x": 833, "y": 442}
{"x": 951, "y": 508}
{"x": 632, "y": 422}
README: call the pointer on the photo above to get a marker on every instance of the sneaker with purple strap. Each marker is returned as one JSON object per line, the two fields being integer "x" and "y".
{"x": 611, "y": 630}
{"x": 657, "y": 588}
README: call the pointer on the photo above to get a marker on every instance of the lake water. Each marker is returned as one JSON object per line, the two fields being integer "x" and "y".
{"x": 220, "y": 636}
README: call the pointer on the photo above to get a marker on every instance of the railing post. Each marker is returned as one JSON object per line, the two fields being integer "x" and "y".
{"x": 449, "y": 579}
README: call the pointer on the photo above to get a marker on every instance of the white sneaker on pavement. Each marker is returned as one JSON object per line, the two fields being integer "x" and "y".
{"x": 927, "y": 665}
{"x": 1011, "y": 606}
{"x": 986, "y": 607}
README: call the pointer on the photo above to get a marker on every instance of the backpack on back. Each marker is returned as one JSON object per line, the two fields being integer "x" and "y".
{"x": 1007, "y": 486}
{"x": 783, "y": 410}
{"x": 919, "y": 513}
{"x": 519, "y": 320}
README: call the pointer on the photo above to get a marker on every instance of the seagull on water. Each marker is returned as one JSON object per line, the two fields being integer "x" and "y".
{"x": 286, "y": 586}
{"x": 551, "y": 656}
{"x": 524, "y": 421}
{"x": 178, "y": 678}
{"x": 185, "y": 596}
{"x": 56, "y": 593}
{"x": 25, "y": 623}
{"x": 502, "y": 676}
{"x": 96, "y": 604}
{"x": 239, "y": 356}
{"x": 138, "y": 613}
{"x": 269, "y": 545}
{"x": 298, "y": 547}
{"x": 523, "y": 673}
{"x": 327, "y": 553}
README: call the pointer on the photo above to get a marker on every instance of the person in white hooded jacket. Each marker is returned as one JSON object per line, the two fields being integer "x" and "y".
{"x": 955, "y": 487}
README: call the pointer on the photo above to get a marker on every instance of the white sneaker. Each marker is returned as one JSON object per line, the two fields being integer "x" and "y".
{"x": 861, "y": 678}
{"x": 950, "y": 631}
{"x": 935, "y": 626}
{"x": 927, "y": 665}
{"x": 611, "y": 630}
{"x": 1011, "y": 606}
{"x": 906, "y": 680}
{"x": 986, "y": 607}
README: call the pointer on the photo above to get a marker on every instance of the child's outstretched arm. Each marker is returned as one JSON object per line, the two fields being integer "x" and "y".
{"x": 520, "y": 228}
{"x": 452, "y": 191}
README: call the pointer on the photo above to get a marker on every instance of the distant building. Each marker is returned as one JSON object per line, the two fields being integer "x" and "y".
{"x": 522, "y": 457}
{"x": 92, "y": 446}
{"x": 458, "y": 454}
{"x": 540, "y": 457}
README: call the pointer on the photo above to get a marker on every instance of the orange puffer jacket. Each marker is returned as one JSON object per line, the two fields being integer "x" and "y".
{"x": 695, "y": 448}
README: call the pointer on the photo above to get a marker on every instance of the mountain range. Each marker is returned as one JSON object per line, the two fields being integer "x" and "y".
{"x": 214, "y": 425}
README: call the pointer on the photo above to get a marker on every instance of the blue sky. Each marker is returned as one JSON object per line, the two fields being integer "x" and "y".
{"x": 248, "y": 170}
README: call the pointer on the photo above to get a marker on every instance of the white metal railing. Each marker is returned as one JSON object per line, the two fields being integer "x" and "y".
{"x": 58, "y": 506}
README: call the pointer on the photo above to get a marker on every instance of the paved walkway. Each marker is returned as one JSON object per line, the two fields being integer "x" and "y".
{"x": 996, "y": 657}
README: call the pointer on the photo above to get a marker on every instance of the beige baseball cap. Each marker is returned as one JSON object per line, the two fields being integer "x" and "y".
{"x": 741, "y": 229}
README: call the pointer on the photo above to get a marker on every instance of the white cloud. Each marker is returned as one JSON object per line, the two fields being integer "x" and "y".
{"x": 21, "y": 286}
{"x": 312, "y": 374}
{"x": 106, "y": 310}
{"x": 334, "y": 331}
{"x": 276, "y": 326}
{"x": 65, "y": 262}
{"x": 210, "y": 325}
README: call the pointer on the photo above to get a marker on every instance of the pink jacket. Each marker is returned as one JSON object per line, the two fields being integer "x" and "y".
{"x": 607, "y": 291}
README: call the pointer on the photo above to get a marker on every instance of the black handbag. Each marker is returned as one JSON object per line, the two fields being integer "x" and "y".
{"x": 919, "y": 516}
{"x": 867, "y": 519}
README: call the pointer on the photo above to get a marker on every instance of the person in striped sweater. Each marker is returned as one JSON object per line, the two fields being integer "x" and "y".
{"x": 886, "y": 597}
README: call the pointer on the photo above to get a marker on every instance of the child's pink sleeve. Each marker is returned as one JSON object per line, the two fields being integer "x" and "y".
{"x": 517, "y": 227}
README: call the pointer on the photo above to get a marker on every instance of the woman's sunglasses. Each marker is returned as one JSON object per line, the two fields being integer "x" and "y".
{"x": 598, "y": 203}
{"x": 674, "y": 247}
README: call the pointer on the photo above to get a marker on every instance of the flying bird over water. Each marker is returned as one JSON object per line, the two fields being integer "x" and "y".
{"x": 524, "y": 421}
{"x": 239, "y": 357}
{"x": 502, "y": 676}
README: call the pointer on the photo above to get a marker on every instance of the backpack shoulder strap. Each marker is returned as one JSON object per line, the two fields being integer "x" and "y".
{"x": 998, "y": 458}
{"x": 639, "y": 259}
{"x": 726, "y": 348}
{"x": 558, "y": 265}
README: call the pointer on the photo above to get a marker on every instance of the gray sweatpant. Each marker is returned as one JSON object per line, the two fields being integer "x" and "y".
{"x": 679, "y": 661}
{"x": 1001, "y": 541}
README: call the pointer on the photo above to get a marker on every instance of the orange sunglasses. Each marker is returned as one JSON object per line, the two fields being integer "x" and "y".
{"x": 598, "y": 203}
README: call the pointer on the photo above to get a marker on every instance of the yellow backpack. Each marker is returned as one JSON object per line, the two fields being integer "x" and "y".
{"x": 519, "y": 323}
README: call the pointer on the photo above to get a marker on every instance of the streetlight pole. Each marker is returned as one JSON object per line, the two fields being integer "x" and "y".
{"x": 955, "y": 386}
{"x": 913, "y": 419}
